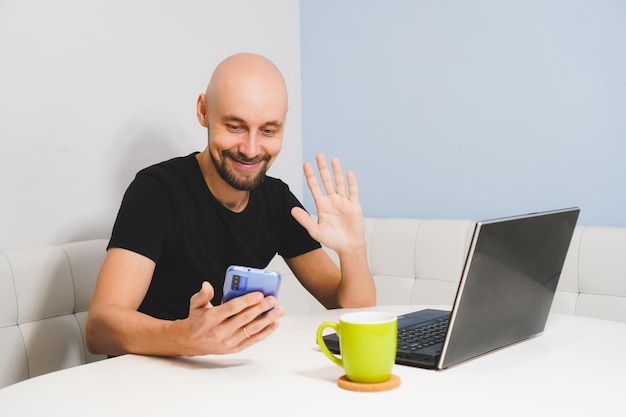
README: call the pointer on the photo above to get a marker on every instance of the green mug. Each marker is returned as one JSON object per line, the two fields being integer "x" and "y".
{"x": 367, "y": 341}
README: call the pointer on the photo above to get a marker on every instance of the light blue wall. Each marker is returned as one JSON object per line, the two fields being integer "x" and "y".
{"x": 470, "y": 109}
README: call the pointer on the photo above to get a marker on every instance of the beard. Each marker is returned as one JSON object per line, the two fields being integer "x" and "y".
{"x": 238, "y": 182}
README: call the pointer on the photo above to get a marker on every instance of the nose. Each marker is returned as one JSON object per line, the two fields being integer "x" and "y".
{"x": 250, "y": 145}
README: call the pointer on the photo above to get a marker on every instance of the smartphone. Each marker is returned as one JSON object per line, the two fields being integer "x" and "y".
{"x": 241, "y": 280}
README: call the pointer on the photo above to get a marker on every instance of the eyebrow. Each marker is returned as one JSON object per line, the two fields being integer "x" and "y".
{"x": 233, "y": 118}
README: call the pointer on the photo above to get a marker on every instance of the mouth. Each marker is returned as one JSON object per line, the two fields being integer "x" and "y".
{"x": 246, "y": 164}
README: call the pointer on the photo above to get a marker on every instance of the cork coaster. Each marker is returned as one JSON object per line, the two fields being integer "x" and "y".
{"x": 391, "y": 383}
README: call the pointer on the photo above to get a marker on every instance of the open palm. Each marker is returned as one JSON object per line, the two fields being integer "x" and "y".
{"x": 339, "y": 223}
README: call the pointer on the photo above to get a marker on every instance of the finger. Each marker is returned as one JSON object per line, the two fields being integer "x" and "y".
{"x": 353, "y": 187}
{"x": 241, "y": 310}
{"x": 311, "y": 181}
{"x": 202, "y": 298}
{"x": 340, "y": 182}
{"x": 241, "y": 303}
{"x": 254, "y": 337}
{"x": 248, "y": 322}
{"x": 325, "y": 175}
{"x": 261, "y": 325}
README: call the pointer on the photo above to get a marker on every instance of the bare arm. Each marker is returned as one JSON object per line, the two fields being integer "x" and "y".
{"x": 340, "y": 227}
{"x": 114, "y": 326}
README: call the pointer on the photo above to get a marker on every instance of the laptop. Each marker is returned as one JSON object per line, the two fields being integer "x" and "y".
{"x": 504, "y": 295}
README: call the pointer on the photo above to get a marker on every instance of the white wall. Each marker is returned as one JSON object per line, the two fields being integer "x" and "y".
{"x": 93, "y": 91}
{"x": 470, "y": 109}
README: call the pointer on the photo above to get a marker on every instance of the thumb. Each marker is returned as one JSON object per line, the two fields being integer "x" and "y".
{"x": 202, "y": 299}
{"x": 304, "y": 219}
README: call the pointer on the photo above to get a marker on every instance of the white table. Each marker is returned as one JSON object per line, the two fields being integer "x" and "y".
{"x": 576, "y": 367}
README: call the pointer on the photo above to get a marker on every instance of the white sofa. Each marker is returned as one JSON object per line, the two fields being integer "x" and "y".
{"x": 45, "y": 291}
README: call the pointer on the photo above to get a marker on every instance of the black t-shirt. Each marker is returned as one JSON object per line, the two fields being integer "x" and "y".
{"x": 169, "y": 215}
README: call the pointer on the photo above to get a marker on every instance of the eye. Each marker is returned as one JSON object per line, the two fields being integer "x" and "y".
{"x": 268, "y": 132}
{"x": 232, "y": 127}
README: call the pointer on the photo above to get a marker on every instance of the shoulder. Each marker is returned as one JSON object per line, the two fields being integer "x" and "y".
{"x": 174, "y": 175}
{"x": 180, "y": 165}
{"x": 164, "y": 181}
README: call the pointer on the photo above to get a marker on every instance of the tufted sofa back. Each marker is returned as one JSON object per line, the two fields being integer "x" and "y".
{"x": 420, "y": 262}
{"x": 44, "y": 298}
{"x": 593, "y": 280}
{"x": 45, "y": 292}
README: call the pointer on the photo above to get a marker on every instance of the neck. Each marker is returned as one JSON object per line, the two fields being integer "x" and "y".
{"x": 231, "y": 198}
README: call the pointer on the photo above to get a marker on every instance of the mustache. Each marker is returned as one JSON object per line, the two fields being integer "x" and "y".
{"x": 239, "y": 157}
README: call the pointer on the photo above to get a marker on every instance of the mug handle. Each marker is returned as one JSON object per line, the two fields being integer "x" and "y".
{"x": 322, "y": 344}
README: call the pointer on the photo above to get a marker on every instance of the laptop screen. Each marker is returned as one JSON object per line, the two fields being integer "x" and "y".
{"x": 508, "y": 284}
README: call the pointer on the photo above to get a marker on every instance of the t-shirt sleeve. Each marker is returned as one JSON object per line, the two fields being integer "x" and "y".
{"x": 144, "y": 218}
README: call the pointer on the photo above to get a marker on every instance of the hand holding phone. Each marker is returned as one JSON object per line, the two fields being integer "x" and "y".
{"x": 241, "y": 280}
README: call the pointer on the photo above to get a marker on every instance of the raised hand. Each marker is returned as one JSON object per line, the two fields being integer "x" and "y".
{"x": 339, "y": 223}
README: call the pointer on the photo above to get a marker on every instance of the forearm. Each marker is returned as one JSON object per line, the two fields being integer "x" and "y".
{"x": 116, "y": 330}
{"x": 356, "y": 288}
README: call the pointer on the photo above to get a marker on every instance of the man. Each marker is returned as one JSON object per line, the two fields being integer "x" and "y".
{"x": 183, "y": 221}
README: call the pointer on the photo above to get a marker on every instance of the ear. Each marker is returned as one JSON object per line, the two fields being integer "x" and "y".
{"x": 201, "y": 110}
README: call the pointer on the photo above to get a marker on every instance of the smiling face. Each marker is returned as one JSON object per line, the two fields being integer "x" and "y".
{"x": 244, "y": 110}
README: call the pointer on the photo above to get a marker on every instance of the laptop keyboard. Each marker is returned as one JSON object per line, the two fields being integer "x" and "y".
{"x": 416, "y": 338}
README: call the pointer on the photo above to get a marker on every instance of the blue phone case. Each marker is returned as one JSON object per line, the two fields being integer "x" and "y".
{"x": 241, "y": 280}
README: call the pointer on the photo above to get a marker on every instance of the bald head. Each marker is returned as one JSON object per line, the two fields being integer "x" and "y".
{"x": 249, "y": 77}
